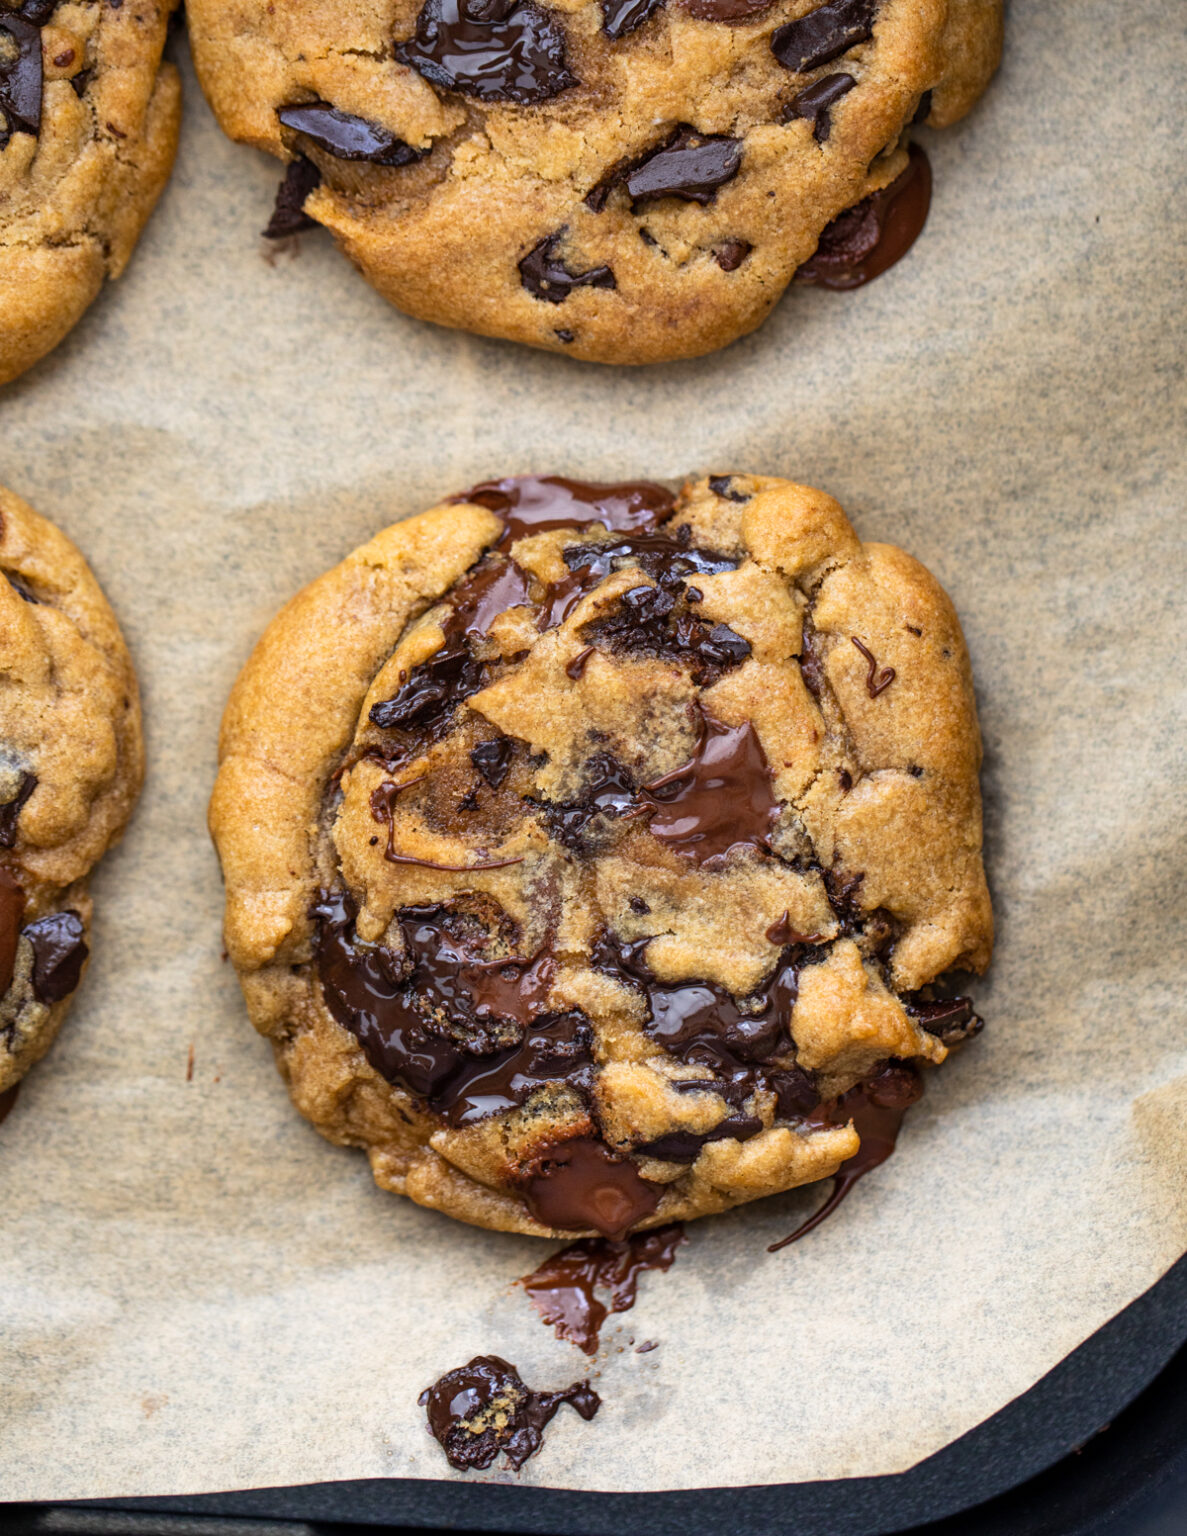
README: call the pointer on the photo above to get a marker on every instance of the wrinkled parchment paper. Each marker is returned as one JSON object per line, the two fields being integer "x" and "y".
{"x": 196, "y": 1292}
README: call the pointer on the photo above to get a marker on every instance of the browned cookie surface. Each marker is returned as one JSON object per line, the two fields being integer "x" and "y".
{"x": 71, "y": 762}
{"x": 621, "y": 180}
{"x": 88, "y": 127}
{"x": 583, "y": 844}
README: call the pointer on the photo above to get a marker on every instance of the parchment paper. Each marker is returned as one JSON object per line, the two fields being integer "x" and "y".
{"x": 196, "y": 1292}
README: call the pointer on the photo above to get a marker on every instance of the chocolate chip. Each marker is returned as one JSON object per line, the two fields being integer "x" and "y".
{"x": 496, "y": 50}
{"x": 644, "y": 622}
{"x": 609, "y": 791}
{"x": 81, "y": 80}
{"x": 484, "y": 1408}
{"x": 726, "y": 10}
{"x": 814, "y": 103}
{"x": 723, "y": 486}
{"x": 546, "y": 277}
{"x": 864, "y": 241}
{"x": 59, "y": 949}
{"x": 637, "y": 904}
{"x": 12, "y": 911}
{"x": 951, "y": 1019}
{"x": 690, "y": 166}
{"x": 581, "y": 1183}
{"x": 447, "y": 677}
{"x": 565, "y": 336}
{"x": 38, "y": 11}
{"x": 20, "y": 77}
{"x": 289, "y": 216}
{"x": 347, "y": 137}
{"x": 730, "y": 256}
{"x": 824, "y": 34}
{"x": 10, "y": 812}
{"x": 622, "y": 16}
{"x": 493, "y": 759}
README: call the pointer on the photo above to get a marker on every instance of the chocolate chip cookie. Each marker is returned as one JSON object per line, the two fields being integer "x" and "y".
{"x": 585, "y": 845}
{"x": 88, "y": 127}
{"x": 71, "y": 762}
{"x": 622, "y": 180}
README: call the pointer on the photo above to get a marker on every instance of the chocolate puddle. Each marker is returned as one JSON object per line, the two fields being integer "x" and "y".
{"x": 562, "y": 1288}
{"x": 867, "y": 239}
{"x": 580, "y": 1183}
{"x": 484, "y": 1408}
{"x": 877, "y": 1108}
{"x": 720, "y": 799}
{"x": 531, "y": 504}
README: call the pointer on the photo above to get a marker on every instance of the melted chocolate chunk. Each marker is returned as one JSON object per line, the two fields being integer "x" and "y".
{"x": 562, "y": 1288}
{"x": 530, "y": 504}
{"x": 580, "y": 1183}
{"x": 669, "y": 561}
{"x": 824, "y": 34}
{"x": 471, "y": 1036}
{"x": 812, "y": 660}
{"x": 8, "y": 1101}
{"x": 347, "y": 137}
{"x": 12, "y": 911}
{"x": 782, "y": 933}
{"x": 495, "y": 50}
{"x": 493, "y": 759}
{"x": 289, "y": 216}
{"x": 719, "y": 799}
{"x": 622, "y": 16}
{"x": 11, "y": 812}
{"x": 876, "y": 682}
{"x": 38, "y": 11}
{"x": 726, "y": 10}
{"x": 690, "y": 166}
{"x": 20, "y": 77}
{"x": 876, "y": 1108}
{"x": 723, "y": 486}
{"x": 644, "y": 623}
{"x": 494, "y": 587}
{"x": 867, "y": 239}
{"x": 814, "y": 103}
{"x": 432, "y": 690}
{"x": 484, "y": 1408}
{"x": 730, "y": 256}
{"x": 545, "y": 276}
{"x": 610, "y": 792}
{"x": 951, "y": 1019}
{"x": 59, "y": 949}
{"x": 685, "y": 1146}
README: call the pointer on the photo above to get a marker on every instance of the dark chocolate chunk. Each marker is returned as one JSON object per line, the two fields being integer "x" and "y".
{"x": 493, "y": 759}
{"x": 610, "y": 791}
{"x": 644, "y": 623}
{"x": 22, "y": 588}
{"x": 867, "y": 239}
{"x": 59, "y": 949}
{"x": 824, "y": 34}
{"x": 622, "y": 16}
{"x": 530, "y": 504}
{"x": 546, "y": 277}
{"x": 289, "y": 216}
{"x": 484, "y": 1408}
{"x": 347, "y": 137}
{"x": 432, "y": 689}
{"x": 951, "y": 1019}
{"x": 495, "y": 50}
{"x": 723, "y": 486}
{"x": 38, "y": 11}
{"x": 726, "y": 10}
{"x": 562, "y": 1288}
{"x": 564, "y": 336}
{"x": 690, "y": 166}
{"x": 815, "y": 101}
{"x": 581, "y": 1183}
{"x": 12, "y": 911}
{"x": 10, "y": 813}
{"x": 876, "y": 1108}
{"x": 685, "y": 1146}
{"x": 20, "y": 77}
{"x": 730, "y": 256}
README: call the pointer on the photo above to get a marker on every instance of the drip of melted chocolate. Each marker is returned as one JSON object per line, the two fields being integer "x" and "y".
{"x": 12, "y": 910}
{"x": 867, "y": 239}
{"x": 530, "y": 504}
{"x": 484, "y": 1408}
{"x": 345, "y": 136}
{"x": 494, "y": 50}
{"x": 8, "y": 1101}
{"x": 472, "y": 1037}
{"x": 720, "y": 799}
{"x": 562, "y": 1288}
{"x": 59, "y": 950}
{"x": 876, "y": 1108}
{"x": 11, "y": 811}
{"x": 580, "y": 1183}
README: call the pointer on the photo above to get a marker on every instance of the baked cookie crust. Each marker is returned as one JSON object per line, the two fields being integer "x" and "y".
{"x": 583, "y": 844}
{"x": 621, "y": 180}
{"x": 89, "y": 119}
{"x": 71, "y": 765}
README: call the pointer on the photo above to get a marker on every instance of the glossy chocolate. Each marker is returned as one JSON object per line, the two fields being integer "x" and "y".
{"x": 824, "y": 34}
{"x": 609, "y": 791}
{"x": 289, "y": 216}
{"x": 622, "y": 16}
{"x": 494, "y": 50}
{"x": 59, "y": 950}
{"x": 10, "y": 812}
{"x": 20, "y": 77}
{"x": 493, "y": 759}
{"x": 876, "y": 682}
{"x": 545, "y": 276}
{"x": 530, "y": 504}
{"x": 12, "y": 911}
{"x": 345, "y": 136}
{"x": 876, "y": 1109}
{"x": 580, "y": 1183}
{"x": 562, "y": 1289}
{"x": 690, "y": 166}
{"x": 646, "y": 621}
{"x": 730, "y": 256}
{"x": 950, "y": 1019}
{"x": 484, "y": 1408}
{"x": 867, "y": 239}
{"x": 816, "y": 101}
{"x": 720, "y": 799}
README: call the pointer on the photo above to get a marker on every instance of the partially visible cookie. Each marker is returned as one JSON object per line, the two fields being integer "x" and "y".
{"x": 584, "y": 846}
{"x": 71, "y": 763}
{"x": 88, "y": 128}
{"x": 621, "y": 180}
